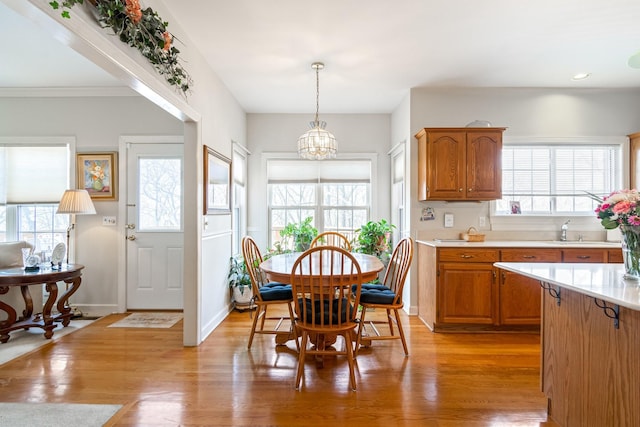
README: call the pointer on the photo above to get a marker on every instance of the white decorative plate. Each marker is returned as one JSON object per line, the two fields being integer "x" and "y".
{"x": 57, "y": 256}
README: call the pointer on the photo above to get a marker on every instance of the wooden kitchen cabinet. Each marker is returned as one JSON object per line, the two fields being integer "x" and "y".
{"x": 467, "y": 287}
{"x": 584, "y": 255}
{"x": 520, "y": 296}
{"x": 634, "y": 162}
{"x": 460, "y": 163}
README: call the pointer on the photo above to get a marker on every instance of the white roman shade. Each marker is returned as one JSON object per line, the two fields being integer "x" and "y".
{"x": 325, "y": 171}
{"x": 33, "y": 174}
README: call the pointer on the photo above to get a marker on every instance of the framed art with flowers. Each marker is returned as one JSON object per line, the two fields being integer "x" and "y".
{"x": 98, "y": 174}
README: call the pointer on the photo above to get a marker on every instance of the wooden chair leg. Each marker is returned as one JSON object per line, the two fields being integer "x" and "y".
{"x": 253, "y": 326}
{"x": 350, "y": 358}
{"x": 360, "y": 329}
{"x": 293, "y": 327}
{"x": 400, "y": 330}
{"x": 301, "y": 357}
{"x": 390, "y": 320}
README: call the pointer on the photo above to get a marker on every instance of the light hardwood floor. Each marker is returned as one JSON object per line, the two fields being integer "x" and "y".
{"x": 448, "y": 379}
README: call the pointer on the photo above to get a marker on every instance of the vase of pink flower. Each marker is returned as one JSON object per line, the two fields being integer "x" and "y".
{"x": 622, "y": 209}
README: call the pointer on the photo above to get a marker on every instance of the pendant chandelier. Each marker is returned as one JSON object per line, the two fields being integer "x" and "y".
{"x": 317, "y": 143}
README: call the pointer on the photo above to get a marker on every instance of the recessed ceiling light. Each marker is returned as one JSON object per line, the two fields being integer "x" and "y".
{"x": 580, "y": 76}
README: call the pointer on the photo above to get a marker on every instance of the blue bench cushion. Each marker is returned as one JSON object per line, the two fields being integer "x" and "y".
{"x": 367, "y": 286}
{"x": 380, "y": 295}
{"x": 305, "y": 304}
{"x": 274, "y": 291}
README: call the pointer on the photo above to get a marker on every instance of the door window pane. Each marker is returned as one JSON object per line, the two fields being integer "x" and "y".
{"x": 160, "y": 194}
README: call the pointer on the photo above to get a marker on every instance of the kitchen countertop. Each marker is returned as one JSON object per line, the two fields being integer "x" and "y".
{"x": 452, "y": 243}
{"x": 602, "y": 281}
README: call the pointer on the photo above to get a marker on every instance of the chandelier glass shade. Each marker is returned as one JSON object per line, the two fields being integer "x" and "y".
{"x": 317, "y": 143}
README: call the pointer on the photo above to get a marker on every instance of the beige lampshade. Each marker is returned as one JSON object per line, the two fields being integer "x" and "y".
{"x": 76, "y": 202}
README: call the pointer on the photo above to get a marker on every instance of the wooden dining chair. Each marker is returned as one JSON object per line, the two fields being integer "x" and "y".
{"x": 321, "y": 280}
{"x": 331, "y": 238}
{"x": 265, "y": 293}
{"x": 387, "y": 296}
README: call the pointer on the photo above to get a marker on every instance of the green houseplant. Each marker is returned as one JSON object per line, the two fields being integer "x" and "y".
{"x": 373, "y": 238}
{"x": 239, "y": 282}
{"x": 302, "y": 234}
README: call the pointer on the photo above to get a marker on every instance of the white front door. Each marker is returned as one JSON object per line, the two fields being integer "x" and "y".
{"x": 154, "y": 226}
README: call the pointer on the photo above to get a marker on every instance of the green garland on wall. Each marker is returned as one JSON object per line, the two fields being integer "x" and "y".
{"x": 142, "y": 29}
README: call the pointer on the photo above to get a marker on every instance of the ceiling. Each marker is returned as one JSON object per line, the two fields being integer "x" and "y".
{"x": 374, "y": 50}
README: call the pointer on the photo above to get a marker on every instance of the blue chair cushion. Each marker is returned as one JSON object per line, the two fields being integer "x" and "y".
{"x": 367, "y": 286}
{"x": 377, "y": 296}
{"x": 345, "y": 313}
{"x": 274, "y": 291}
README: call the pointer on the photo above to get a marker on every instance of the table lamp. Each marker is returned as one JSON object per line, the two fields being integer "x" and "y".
{"x": 75, "y": 202}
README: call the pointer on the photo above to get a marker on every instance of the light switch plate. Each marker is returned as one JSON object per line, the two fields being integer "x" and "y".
{"x": 448, "y": 220}
{"x": 109, "y": 220}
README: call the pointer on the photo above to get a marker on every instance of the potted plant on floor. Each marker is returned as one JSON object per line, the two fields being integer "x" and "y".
{"x": 302, "y": 234}
{"x": 240, "y": 284}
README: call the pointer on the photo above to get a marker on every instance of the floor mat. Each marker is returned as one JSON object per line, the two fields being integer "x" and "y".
{"x": 148, "y": 320}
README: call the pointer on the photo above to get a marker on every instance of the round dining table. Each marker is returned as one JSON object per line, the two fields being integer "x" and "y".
{"x": 278, "y": 269}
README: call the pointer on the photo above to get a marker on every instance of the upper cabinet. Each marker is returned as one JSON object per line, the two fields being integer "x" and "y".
{"x": 459, "y": 163}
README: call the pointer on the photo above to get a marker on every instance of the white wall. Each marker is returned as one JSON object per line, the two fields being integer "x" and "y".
{"x": 525, "y": 113}
{"x": 278, "y": 133}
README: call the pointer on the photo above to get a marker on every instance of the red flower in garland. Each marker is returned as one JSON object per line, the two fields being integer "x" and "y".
{"x": 132, "y": 7}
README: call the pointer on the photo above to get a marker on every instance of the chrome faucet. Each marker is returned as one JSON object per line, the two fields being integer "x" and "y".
{"x": 563, "y": 230}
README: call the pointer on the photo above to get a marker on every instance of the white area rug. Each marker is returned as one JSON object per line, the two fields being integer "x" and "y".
{"x": 148, "y": 320}
{"x": 55, "y": 414}
{"x": 23, "y": 342}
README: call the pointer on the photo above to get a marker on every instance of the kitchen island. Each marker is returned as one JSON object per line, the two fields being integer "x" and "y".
{"x": 590, "y": 336}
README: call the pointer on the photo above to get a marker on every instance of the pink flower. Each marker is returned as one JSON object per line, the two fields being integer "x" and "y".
{"x": 634, "y": 220}
{"x": 622, "y": 207}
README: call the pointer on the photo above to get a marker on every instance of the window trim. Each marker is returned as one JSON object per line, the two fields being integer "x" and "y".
{"x": 541, "y": 222}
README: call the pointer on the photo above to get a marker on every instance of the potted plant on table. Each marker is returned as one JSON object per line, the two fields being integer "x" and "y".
{"x": 240, "y": 284}
{"x": 302, "y": 234}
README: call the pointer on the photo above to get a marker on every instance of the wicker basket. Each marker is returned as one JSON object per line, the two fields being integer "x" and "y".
{"x": 472, "y": 235}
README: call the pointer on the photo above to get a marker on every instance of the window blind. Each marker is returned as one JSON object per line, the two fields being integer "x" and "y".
{"x": 279, "y": 171}
{"x": 33, "y": 174}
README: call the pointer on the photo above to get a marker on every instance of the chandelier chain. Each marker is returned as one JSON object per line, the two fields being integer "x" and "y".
{"x": 317, "y": 92}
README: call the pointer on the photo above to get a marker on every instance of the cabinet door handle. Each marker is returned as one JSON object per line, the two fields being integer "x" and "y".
{"x": 584, "y": 256}
{"x": 465, "y": 256}
{"x": 529, "y": 256}
{"x": 470, "y": 190}
{"x": 460, "y": 190}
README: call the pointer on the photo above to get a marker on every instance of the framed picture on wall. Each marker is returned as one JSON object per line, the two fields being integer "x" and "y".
{"x": 98, "y": 174}
{"x": 217, "y": 183}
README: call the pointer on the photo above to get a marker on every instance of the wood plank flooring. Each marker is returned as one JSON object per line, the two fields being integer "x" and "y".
{"x": 448, "y": 379}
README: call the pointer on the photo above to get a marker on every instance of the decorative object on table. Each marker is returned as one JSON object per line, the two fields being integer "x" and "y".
{"x": 57, "y": 256}
{"x": 472, "y": 235}
{"x": 217, "y": 183}
{"x": 32, "y": 263}
{"x": 479, "y": 124}
{"x": 317, "y": 143}
{"x": 75, "y": 202}
{"x": 621, "y": 209}
{"x": 239, "y": 283}
{"x": 98, "y": 174}
{"x": 302, "y": 234}
{"x": 139, "y": 28}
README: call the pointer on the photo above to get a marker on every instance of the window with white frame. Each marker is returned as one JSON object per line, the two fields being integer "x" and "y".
{"x": 335, "y": 193}
{"x": 239, "y": 199}
{"x": 556, "y": 177}
{"x": 33, "y": 177}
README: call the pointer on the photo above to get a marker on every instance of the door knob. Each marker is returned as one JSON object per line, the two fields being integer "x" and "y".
{"x": 130, "y": 226}
{"x": 132, "y": 237}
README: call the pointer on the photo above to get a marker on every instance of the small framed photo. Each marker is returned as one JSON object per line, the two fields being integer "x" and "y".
{"x": 98, "y": 174}
{"x": 515, "y": 208}
{"x": 217, "y": 183}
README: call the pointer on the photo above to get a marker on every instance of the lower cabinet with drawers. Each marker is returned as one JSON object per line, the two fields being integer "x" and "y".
{"x": 459, "y": 289}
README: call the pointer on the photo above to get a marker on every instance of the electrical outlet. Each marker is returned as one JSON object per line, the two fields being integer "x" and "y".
{"x": 109, "y": 220}
{"x": 448, "y": 220}
{"x": 482, "y": 221}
